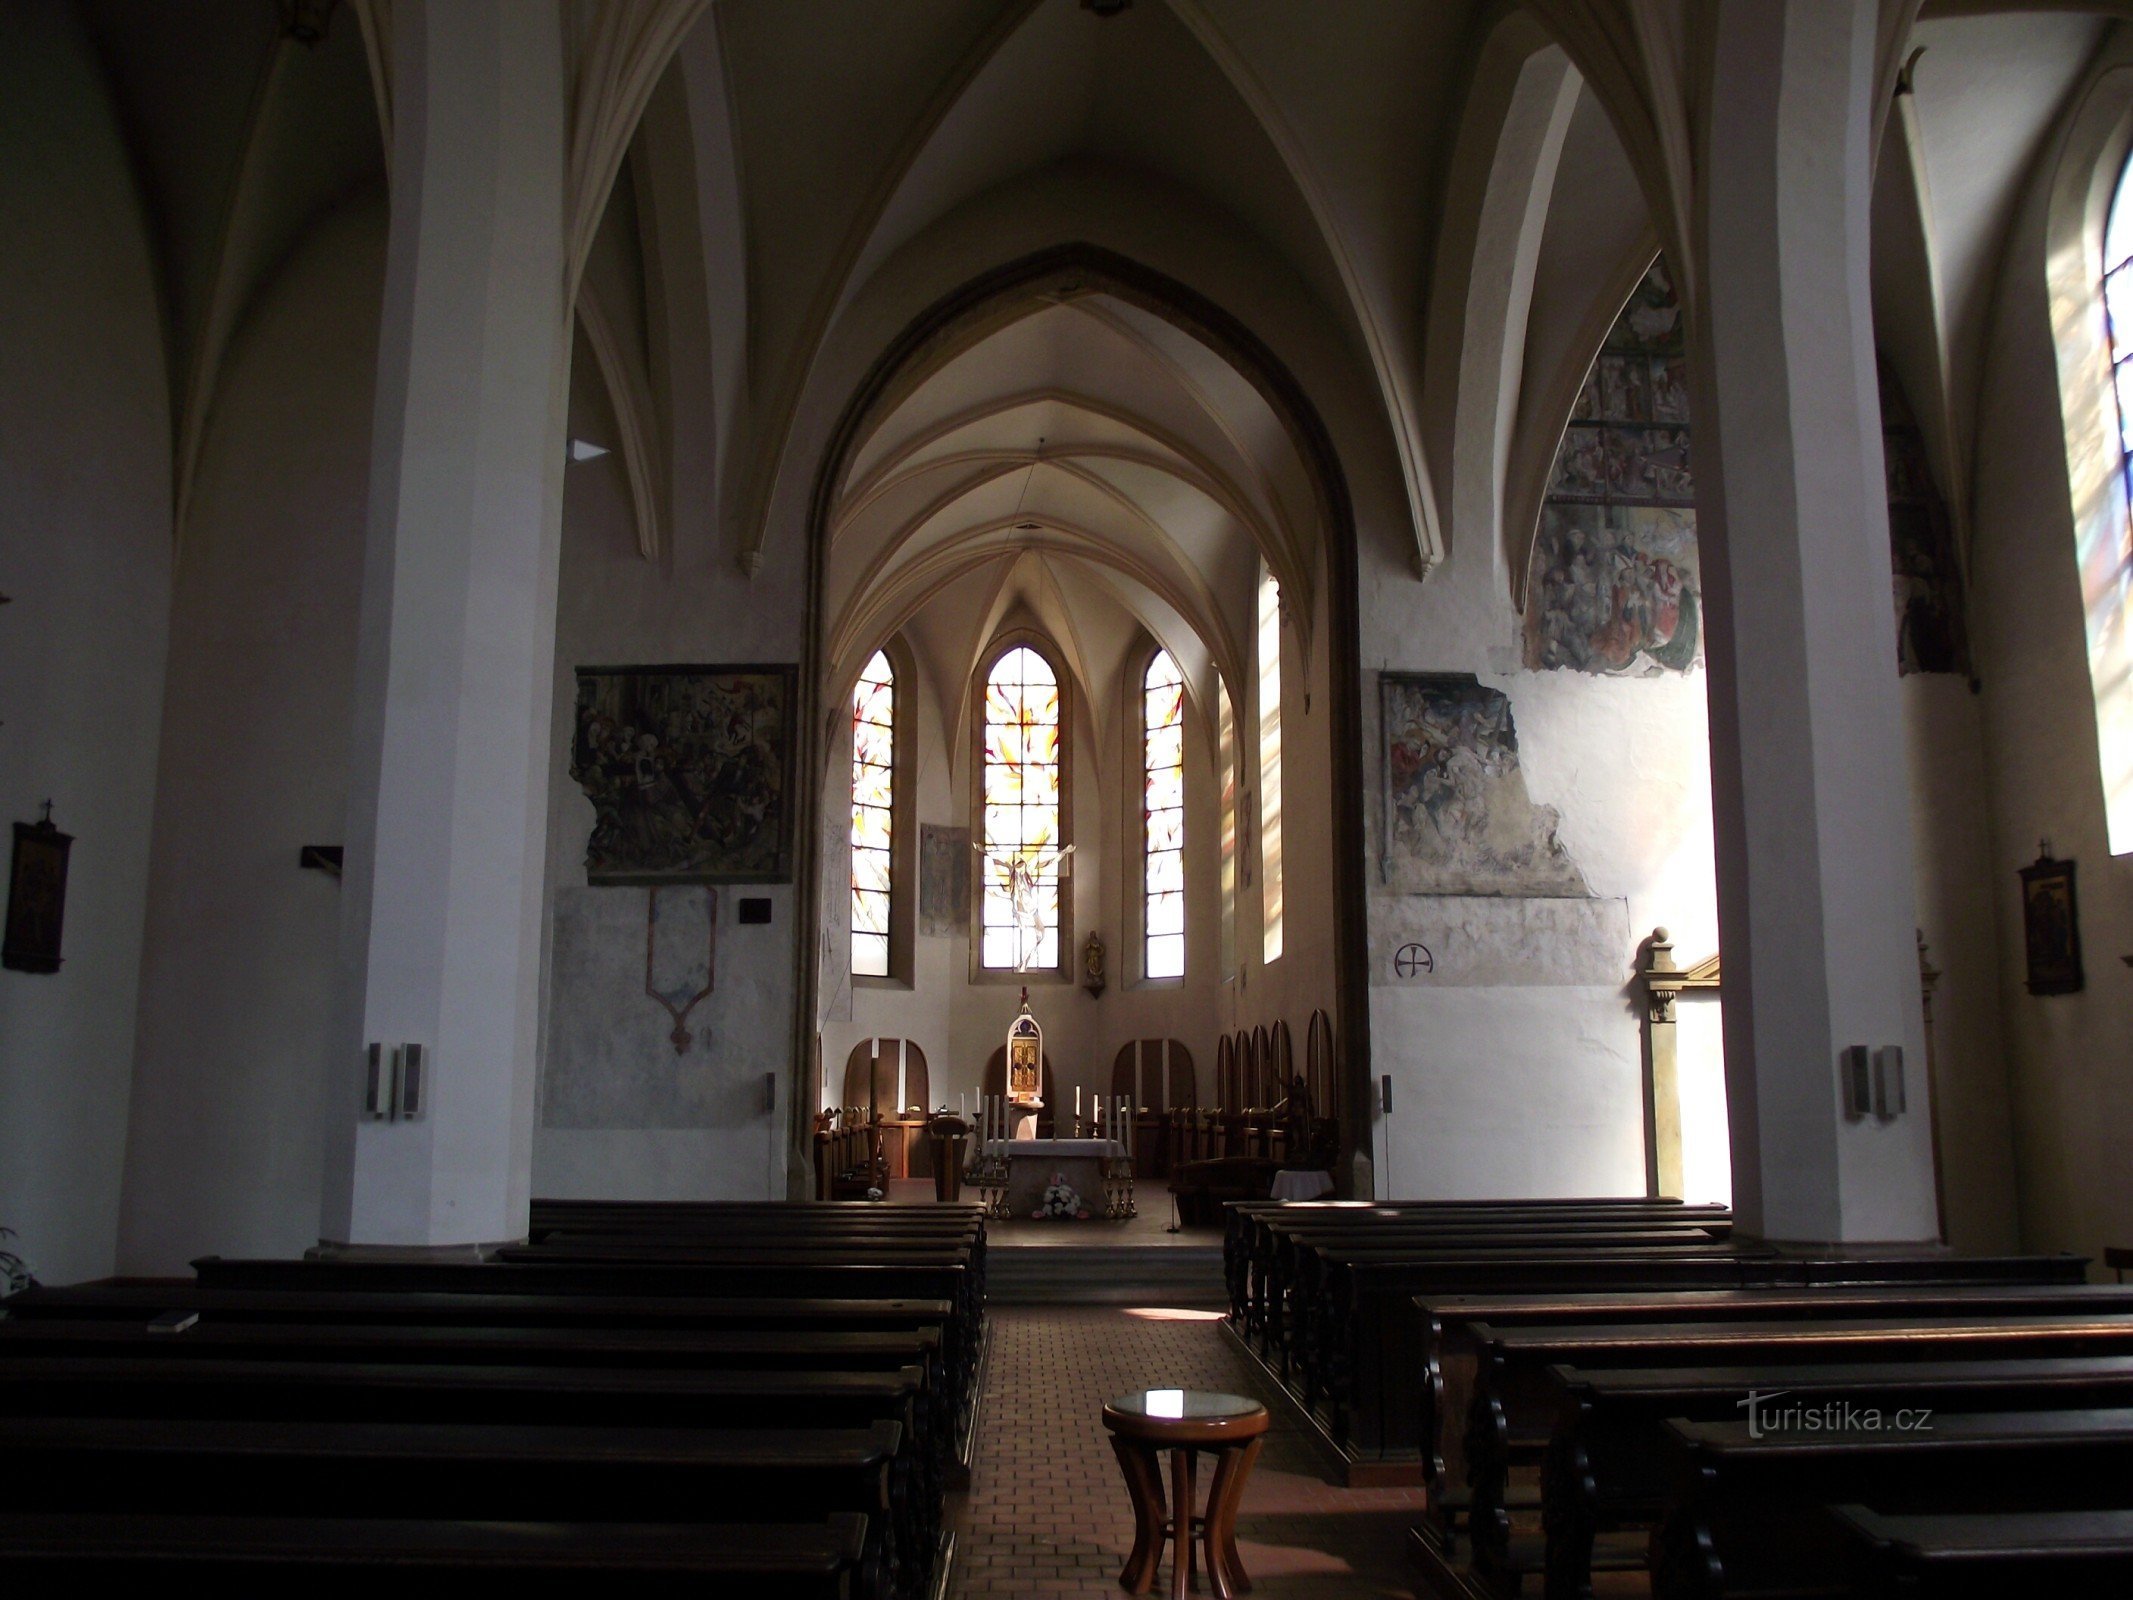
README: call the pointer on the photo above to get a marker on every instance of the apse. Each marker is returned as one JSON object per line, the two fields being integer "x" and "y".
{"x": 1072, "y": 603}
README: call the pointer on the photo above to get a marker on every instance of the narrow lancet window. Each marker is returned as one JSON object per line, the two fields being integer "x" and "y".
{"x": 2106, "y": 554}
{"x": 873, "y": 816}
{"x": 1269, "y": 768}
{"x": 1024, "y": 847}
{"x": 1163, "y": 817}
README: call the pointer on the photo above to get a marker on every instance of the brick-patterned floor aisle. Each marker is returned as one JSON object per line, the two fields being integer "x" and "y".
{"x": 1047, "y": 1514}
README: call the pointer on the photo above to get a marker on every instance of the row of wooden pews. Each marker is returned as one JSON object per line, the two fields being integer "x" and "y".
{"x": 1575, "y": 1376}
{"x": 773, "y": 1394}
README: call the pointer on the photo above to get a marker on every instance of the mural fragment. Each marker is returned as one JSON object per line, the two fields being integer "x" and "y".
{"x": 1615, "y": 585}
{"x": 1457, "y": 817}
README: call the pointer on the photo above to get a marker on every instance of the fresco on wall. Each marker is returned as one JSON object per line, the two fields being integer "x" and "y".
{"x": 689, "y": 770}
{"x": 1924, "y": 571}
{"x": 1615, "y": 587}
{"x": 943, "y": 880}
{"x": 1457, "y": 817}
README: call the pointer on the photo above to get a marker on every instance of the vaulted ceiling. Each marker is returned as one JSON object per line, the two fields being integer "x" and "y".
{"x": 1446, "y": 205}
{"x": 1084, "y": 462}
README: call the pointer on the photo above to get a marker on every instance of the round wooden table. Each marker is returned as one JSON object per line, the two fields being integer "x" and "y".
{"x": 1187, "y": 1423}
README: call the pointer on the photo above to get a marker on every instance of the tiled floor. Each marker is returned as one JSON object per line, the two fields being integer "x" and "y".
{"x": 1047, "y": 1514}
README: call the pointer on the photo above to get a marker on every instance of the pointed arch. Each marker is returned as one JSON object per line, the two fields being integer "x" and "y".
{"x": 1081, "y": 268}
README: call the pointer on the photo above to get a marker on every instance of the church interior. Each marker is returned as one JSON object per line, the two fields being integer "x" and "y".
{"x": 1011, "y": 797}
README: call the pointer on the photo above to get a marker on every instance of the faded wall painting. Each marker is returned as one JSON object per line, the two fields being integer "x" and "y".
{"x": 1457, "y": 816}
{"x": 689, "y": 770}
{"x": 943, "y": 880}
{"x": 1615, "y": 587}
{"x": 1924, "y": 572}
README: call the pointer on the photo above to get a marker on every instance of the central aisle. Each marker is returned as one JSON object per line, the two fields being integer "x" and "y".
{"x": 1047, "y": 1514}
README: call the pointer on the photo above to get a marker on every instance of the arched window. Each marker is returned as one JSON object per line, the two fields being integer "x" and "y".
{"x": 1269, "y": 767}
{"x": 2107, "y": 557}
{"x": 873, "y": 816}
{"x": 1024, "y": 835}
{"x": 1226, "y": 739}
{"x": 2118, "y": 316}
{"x": 1163, "y": 818}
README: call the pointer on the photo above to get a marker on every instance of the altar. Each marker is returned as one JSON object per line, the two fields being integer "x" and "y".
{"x": 1032, "y": 1163}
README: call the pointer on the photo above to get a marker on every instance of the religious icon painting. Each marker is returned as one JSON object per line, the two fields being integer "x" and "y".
{"x": 2051, "y": 926}
{"x": 36, "y": 896}
{"x": 690, "y": 772}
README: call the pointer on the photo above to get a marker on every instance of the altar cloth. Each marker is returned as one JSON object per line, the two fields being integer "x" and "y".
{"x": 1033, "y": 1163}
{"x": 1064, "y": 1149}
{"x": 1300, "y": 1183}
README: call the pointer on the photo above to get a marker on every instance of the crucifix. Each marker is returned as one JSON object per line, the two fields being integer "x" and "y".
{"x": 1024, "y": 865}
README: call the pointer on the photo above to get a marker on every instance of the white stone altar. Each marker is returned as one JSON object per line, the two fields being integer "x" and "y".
{"x": 1031, "y": 1164}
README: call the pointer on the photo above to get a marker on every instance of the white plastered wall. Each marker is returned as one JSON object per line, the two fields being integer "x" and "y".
{"x": 692, "y": 605}
{"x": 2072, "y": 1099}
{"x": 85, "y": 486}
{"x": 225, "y": 1153}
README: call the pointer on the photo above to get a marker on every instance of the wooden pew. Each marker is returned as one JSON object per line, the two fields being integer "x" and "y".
{"x": 1973, "y": 1556}
{"x": 548, "y": 1216}
{"x": 1513, "y": 1384}
{"x": 750, "y": 1277}
{"x": 1247, "y": 1242}
{"x": 807, "y": 1561}
{"x": 1364, "y": 1331}
{"x": 465, "y": 1472}
{"x": 1448, "y": 1356}
{"x": 674, "y": 1323}
{"x": 166, "y": 1385}
{"x": 1605, "y": 1464}
{"x": 1279, "y": 1265}
{"x": 1240, "y": 1218}
{"x": 141, "y": 1302}
{"x": 1350, "y": 1354}
{"x": 639, "y": 1349}
{"x": 1748, "y": 1515}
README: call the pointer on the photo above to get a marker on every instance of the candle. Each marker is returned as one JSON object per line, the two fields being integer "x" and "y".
{"x": 1077, "y": 1102}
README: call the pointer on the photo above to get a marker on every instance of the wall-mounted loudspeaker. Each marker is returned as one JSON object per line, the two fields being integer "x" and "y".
{"x": 1888, "y": 1081}
{"x": 414, "y": 1095}
{"x": 1855, "y": 1066}
{"x": 377, "y": 1083}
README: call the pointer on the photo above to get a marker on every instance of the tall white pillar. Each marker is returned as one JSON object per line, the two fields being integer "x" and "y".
{"x": 1807, "y": 763}
{"x": 442, "y": 884}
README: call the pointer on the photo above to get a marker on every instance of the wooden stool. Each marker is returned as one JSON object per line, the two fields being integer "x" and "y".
{"x": 1185, "y": 1422}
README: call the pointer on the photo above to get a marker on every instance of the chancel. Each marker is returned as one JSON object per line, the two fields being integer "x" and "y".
{"x": 1114, "y": 792}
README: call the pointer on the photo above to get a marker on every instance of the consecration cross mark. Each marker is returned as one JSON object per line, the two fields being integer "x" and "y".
{"x": 1412, "y": 960}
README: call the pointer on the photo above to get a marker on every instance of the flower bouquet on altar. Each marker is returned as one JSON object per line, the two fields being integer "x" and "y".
{"x": 1062, "y": 1202}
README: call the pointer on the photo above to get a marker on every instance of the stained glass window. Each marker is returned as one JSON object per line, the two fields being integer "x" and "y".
{"x": 1163, "y": 817}
{"x": 1226, "y": 736}
{"x": 1269, "y": 768}
{"x": 1018, "y": 924}
{"x": 2118, "y": 316}
{"x": 873, "y": 815}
